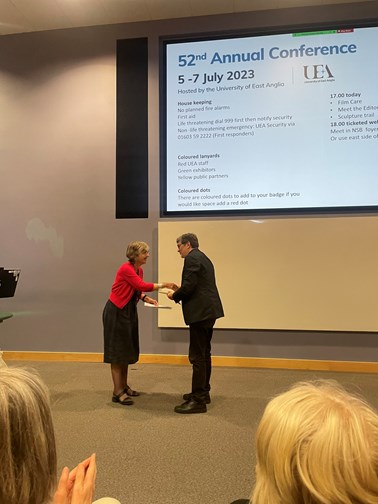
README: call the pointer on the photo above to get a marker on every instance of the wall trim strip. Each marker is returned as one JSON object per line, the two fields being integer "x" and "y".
{"x": 246, "y": 362}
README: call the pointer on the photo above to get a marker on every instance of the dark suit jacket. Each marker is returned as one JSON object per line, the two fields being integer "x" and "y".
{"x": 198, "y": 292}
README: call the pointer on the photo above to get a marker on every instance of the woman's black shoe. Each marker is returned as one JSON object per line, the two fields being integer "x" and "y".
{"x": 127, "y": 401}
{"x": 130, "y": 392}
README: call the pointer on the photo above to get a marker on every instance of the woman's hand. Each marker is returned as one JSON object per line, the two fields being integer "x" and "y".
{"x": 84, "y": 482}
{"x": 77, "y": 486}
{"x": 61, "y": 495}
{"x": 170, "y": 285}
{"x": 150, "y": 300}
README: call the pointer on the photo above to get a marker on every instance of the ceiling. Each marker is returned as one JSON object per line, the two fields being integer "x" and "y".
{"x": 19, "y": 16}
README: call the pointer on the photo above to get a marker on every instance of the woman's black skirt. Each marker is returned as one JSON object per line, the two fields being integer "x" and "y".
{"x": 121, "y": 334}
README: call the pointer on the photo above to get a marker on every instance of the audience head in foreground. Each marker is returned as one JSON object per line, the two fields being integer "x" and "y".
{"x": 317, "y": 444}
{"x": 27, "y": 442}
{"x": 28, "y": 458}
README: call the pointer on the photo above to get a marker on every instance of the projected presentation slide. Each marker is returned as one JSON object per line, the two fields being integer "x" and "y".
{"x": 273, "y": 122}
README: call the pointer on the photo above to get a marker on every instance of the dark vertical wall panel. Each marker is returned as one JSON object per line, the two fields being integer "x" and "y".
{"x": 132, "y": 129}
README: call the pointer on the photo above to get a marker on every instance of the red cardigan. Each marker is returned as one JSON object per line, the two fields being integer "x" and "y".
{"x": 126, "y": 282}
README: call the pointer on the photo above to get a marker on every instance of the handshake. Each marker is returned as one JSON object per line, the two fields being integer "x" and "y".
{"x": 165, "y": 288}
{"x": 168, "y": 289}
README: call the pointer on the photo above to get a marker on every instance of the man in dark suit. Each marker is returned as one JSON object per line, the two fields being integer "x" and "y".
{"x": 201, "y": 306}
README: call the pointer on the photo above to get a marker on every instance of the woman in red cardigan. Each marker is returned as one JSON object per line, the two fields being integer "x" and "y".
{"x": 120, "y": 318}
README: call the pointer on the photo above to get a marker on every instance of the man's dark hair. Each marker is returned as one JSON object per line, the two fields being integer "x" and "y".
{"x": 189, "y": 237}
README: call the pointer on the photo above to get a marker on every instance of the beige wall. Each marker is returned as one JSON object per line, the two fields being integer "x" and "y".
{"x": 57, "y": 188}
{"x": 306, "y": 273}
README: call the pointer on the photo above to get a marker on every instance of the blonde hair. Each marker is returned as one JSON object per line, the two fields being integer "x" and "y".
{"x": 134, "y": 249}
{"x": 317, "y": 444}
{"x": 27, "y": 442}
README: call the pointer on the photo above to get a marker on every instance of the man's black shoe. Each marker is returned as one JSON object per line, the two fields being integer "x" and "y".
{"x": 206, "y": 398}
{"x": 191, "y": 407}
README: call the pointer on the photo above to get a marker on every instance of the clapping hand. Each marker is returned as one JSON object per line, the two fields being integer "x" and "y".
{"x": 77, "y": 486}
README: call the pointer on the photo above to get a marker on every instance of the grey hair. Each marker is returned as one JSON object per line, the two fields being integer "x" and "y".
{"x": 27, "y": 442}
{"x": 135, "y": 248}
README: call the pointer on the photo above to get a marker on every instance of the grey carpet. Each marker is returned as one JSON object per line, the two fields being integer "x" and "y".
{"x": 146, "y": 453}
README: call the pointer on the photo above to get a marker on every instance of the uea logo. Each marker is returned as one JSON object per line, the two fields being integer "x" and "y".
{"x": 317, "y": 72}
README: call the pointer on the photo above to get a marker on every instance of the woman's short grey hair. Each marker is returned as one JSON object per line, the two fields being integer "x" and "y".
{"x": 134, "y": 249}
{"x": 27, "y": 442}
